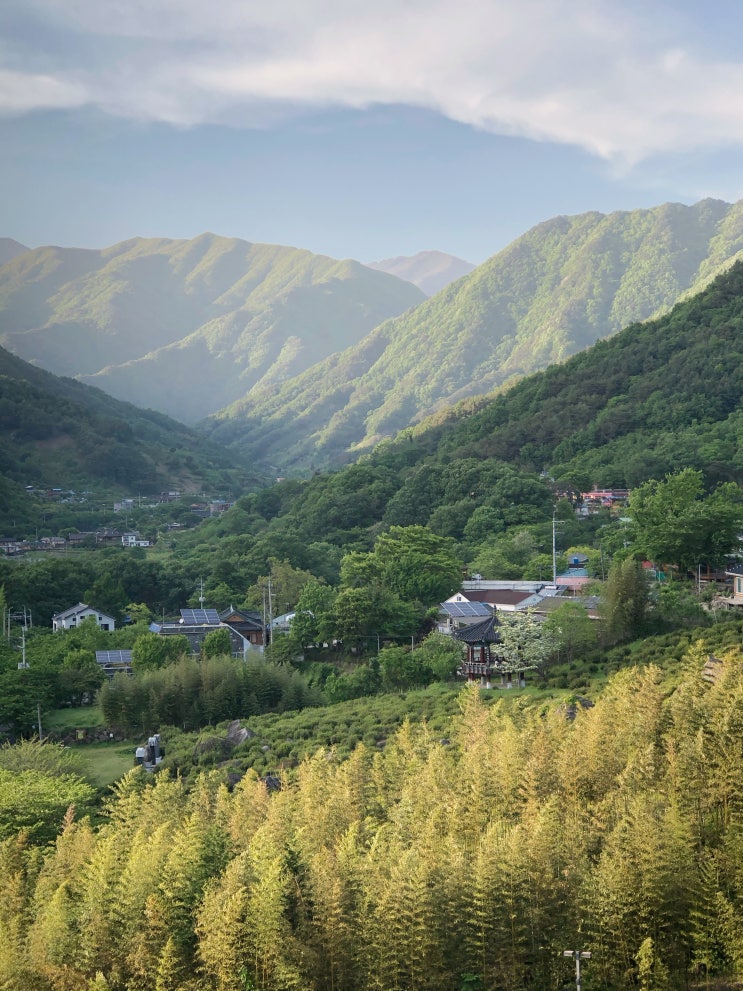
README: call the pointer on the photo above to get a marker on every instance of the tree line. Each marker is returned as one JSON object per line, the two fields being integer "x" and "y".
{"x": 191, "y": 693}
{"x": 470, "y": 862}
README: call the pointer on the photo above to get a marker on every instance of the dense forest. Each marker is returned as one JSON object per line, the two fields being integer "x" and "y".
{"x": 470, "y": 861}
{"x": 57, "y": 433}
{"x": 655, "y": 399}
{"x": 554, "y": 291}
{"x": 600, "y": 809}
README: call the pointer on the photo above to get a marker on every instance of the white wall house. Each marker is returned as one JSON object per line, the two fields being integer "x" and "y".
{"x": 133, "y": 540}
{"x": 70, "y": 619}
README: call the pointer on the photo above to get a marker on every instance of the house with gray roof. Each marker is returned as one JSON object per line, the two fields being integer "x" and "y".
{"x": 71, "y": 618}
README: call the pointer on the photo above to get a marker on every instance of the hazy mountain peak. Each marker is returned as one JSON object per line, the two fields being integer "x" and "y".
{"x": 431, "y": 271}
{"x": 189, "y": 325}
{"x": 10, "y": 249}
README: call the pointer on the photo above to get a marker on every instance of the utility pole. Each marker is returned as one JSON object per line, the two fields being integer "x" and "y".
{"x": 577, "y": 955}
{"x": 555, "y": 524}
{"x": 24, "y": 663}
{"x": 265, "y": 636}
{"x": 270, "y": 612}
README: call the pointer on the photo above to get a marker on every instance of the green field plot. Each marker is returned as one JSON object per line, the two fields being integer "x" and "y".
{"x": 73, "y": 717}
{"x": 104, "y": 763}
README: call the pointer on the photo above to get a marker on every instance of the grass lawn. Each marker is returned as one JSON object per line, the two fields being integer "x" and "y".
{"x": 105, "y": 763}
{"x": 77, "y": 717}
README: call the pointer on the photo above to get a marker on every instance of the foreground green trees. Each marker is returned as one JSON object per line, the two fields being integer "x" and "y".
{"x": 430, "y": 865}
{"x": 675, "y": 522}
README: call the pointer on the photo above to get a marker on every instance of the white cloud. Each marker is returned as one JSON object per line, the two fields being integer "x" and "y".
{"x": 586, "y": 72}
{"x": 24, "y": 91}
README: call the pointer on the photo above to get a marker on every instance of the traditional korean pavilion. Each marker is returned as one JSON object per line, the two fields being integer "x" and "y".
{"x": 484, "y": 660}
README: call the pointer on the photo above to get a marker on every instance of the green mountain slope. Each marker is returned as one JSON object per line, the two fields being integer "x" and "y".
{"x": 55, "y": 432}
{"x": 553, "y": 292}
{"x": 187, "y": 327}
{"x": 655, "y": 398}
{"x": 660, "y": 396}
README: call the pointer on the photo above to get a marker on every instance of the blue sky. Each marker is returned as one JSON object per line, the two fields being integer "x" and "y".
{"x": 359, "y": 130}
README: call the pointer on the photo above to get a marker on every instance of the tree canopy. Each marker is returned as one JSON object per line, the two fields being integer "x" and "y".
{"x": 674, "y": 522}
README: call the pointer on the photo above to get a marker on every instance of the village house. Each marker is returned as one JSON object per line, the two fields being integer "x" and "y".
{"x": 735, "y": 572}
{"x": 51, "y": 543}
{"x": 133, "y": 539}
{"x": 247, "y": 623}
{"x": 70, "y": 619}
{"x": 80, "y": 538}
{"x": 541, "y": 598}
{"x": 598, "y": 499}
{"x": 458, "y": 612}
{"x": 108, "y": 535}
{"x": 244, "y": 628}
{"x": 504, "y": 596}
{"x": 572, "y": 580}
{"x": 12, "y": 548}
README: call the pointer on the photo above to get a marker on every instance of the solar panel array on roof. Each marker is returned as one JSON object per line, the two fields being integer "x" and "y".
{"x": 113, "y": 656}
{"x": 200, "y": 617}
{"x": 461, "y": 609}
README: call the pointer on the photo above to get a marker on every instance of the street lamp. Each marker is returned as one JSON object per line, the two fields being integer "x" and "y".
{"x": 577, "y": 955}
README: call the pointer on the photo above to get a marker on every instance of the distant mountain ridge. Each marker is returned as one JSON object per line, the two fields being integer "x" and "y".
{"x": 187, "y": 327}
{"x": 302, "y": 361}
{"x": 431, "y": 271}
{"x": 10, "y": 249}
{"x": 554, "y": 291}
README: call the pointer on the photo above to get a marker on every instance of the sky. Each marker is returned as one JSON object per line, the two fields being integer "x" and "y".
{"x": 360, "y": 130}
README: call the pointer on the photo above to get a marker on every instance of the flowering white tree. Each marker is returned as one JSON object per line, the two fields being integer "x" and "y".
{"x": 525, "y": 640}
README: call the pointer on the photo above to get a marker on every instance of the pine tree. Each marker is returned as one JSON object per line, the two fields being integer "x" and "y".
{"x": 652, "y": 973}
{"x": 222, "y": 925}
{"x": 171, "y": 967}
{"x": 18, "y": 870}
{"x": 268, "y": 934}
{"x": 624, "y": 601}
{"x": 53, "y": 942}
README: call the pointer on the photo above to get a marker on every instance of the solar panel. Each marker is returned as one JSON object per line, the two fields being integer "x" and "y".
{"x": 200, "y": 617}
{"x": 113, "y": 656}
{"x": 462, "y": 609}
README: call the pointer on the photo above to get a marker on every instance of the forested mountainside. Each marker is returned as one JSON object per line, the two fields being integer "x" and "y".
{"x": 656, "y": 398}
{"x": 56, "y": 432}
{"x": 186, "y": 327}
{"x": 431, "y": 271}
{"x": 553, "y": 292}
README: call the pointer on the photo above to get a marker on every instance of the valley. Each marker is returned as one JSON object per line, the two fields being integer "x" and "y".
{"x": 338, "y": 805}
